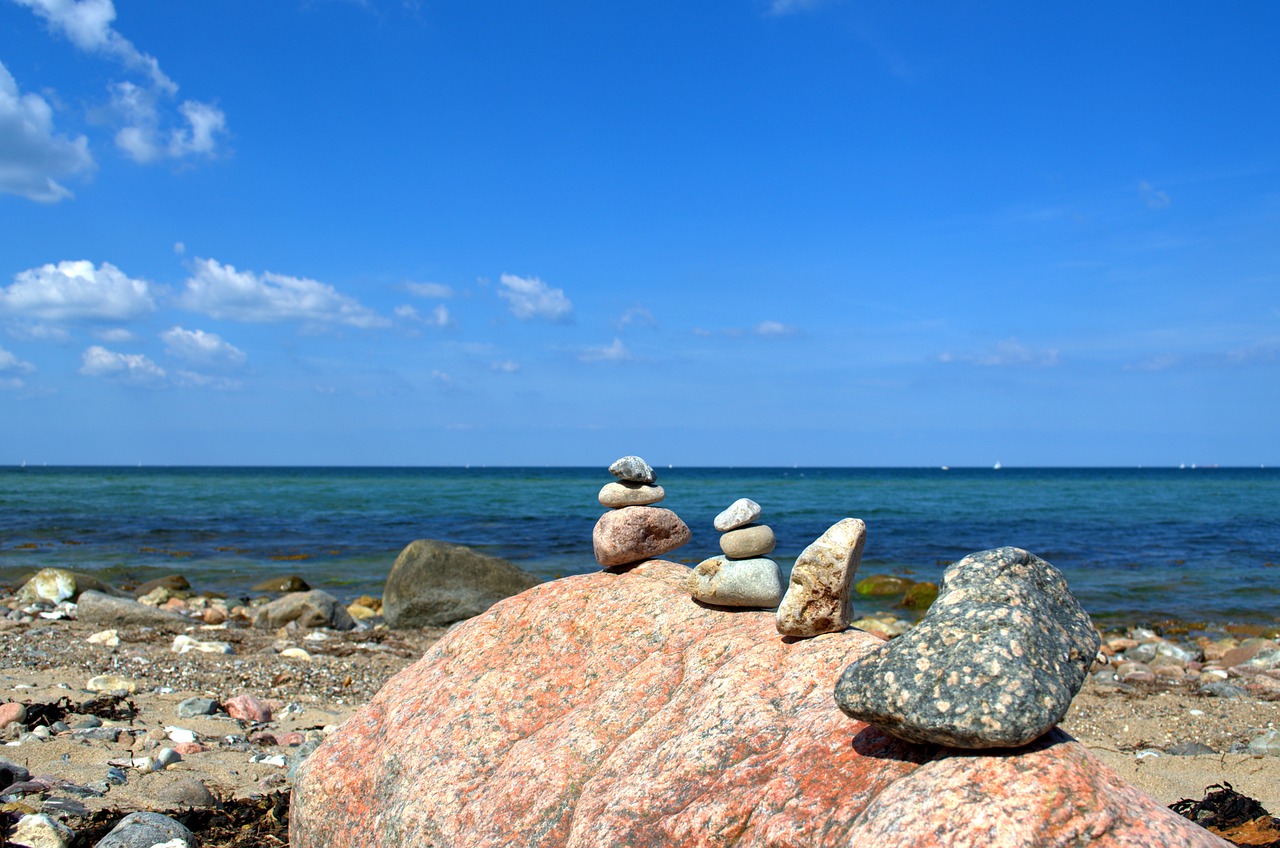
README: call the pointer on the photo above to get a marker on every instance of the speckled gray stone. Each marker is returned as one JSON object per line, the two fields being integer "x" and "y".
{"x": 754, "y": 540}
{"x": 740, "y": 513}
{"x": 754, "y": 583}
{"x": 994, "y": 663}
{"x": 618, "y": 495}
{"x": 633, "y": 469}
{"x": 143, "y": 830}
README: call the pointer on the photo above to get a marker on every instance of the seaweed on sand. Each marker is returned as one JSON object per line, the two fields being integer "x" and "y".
{"x": 1232, "y": 815}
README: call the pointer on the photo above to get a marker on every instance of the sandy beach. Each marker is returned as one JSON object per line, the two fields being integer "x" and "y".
{"x": 231, "y": 783}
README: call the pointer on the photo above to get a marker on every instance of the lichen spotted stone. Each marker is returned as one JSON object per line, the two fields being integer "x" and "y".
{"x": 994, "y": 663}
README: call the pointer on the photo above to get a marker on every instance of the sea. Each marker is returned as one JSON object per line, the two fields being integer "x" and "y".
{"x": 1137, "y": 545}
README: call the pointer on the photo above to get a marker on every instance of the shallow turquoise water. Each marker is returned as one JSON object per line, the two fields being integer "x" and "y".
{"x": 1135, "y": 544}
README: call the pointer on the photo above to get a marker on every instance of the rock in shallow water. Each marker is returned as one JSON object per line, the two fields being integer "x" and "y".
{"x": 637, "y": 533}
{"x": 608, "y": 709}
{"x": 436, "y": 584}
{"x": 755, "y": 583}
{"x": 994, "y": 663}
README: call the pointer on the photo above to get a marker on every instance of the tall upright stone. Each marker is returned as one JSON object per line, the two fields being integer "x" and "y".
{"x": 819, "y": 595}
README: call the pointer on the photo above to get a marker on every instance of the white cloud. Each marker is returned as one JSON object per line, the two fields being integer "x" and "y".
{"x": 199, "y": 347}
{"x": 144, "y": 138}
{"x": 97, "y": 361}
{"x": 1153, "y": 197}
{"x": 147, "y": 133}
{"x": 114, "y": 335}
{"x": 11, "y": 383}
{"x": 12, "y": 364}
{"x": 435, "y": 290}
{"x": 531, "y": 298}
{"x": 635, "y": 315}
{"x": 774, "y": 329}
{"x": 506, "y": 366}
{"x": 36, "y": 332}
{"x": 71, "y": 291}
{"x": 1005, "y": 354}
{"x": 439, "y": 317}
{"x": 33, "y": 157}
{"x": 444, "y": 381}
{"x": 616, "y": 352}
{"x": 203, "y": 381}
{"x": 220, "y": 291}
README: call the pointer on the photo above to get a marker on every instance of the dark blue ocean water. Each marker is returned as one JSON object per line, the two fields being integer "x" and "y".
{"x": 1135, "y": 544}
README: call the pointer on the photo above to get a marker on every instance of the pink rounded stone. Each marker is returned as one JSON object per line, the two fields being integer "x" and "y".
{"x": 636, "y": 533}
{"x": 247, "y": 708}
{"x": 610, "y": 709}
{"x": 11, "y": 712}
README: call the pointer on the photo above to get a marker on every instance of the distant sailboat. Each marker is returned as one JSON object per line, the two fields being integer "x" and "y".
{"x": 997, "y": 466}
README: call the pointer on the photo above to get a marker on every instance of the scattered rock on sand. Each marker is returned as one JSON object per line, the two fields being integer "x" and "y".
{"x": 315, "y": 608}
{"x": 146, "y": 830}
{"x": 38, "y": 830}
{"x": 247, "y": 708}
{"x": 59, "y": 584}
{"x": 995, "y": 661}
{"x": 170, "y": 582}
{"x": 435, "y": 584}
{"x": 111, "y": 683}
{"x": 283, "y": 583}
{"x": 818, "y": 597}
{"x": 104, "y": 610}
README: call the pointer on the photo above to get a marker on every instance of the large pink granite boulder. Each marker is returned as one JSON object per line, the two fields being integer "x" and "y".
{"x": 610, "y": 709}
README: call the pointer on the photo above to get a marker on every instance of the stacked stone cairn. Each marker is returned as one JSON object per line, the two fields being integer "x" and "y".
{"x": 633, "y": 529}
{"x": 743, "y": 576}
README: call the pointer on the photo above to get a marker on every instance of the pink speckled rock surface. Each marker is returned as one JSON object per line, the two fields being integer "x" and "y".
{"x": 610, "y": 709}
{"x": 636, "y": 533}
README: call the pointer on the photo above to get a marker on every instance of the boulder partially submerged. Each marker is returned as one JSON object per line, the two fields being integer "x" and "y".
{"x": 610, "y": 709}
{"x": 434, "y": 584}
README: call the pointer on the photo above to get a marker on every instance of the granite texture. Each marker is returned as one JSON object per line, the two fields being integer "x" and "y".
{"x": 609, "y": 709}
{"x": 755, "y": 583}
{"x": 995, "y": 661}
{"x": 636, "y": 533}
{"x": 633, "y": 469}
{"x": 819, "y": 595}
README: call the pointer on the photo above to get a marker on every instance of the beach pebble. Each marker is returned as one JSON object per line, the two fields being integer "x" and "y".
{"x": 147, "y": 830}
{"x": 314, "y": 608}
{"x": 171, "y": 582}
{"x": 740, "y": 513}
{"x": 885, "y": 628}
{"x": 995, "y": 661}
{"x": 40, "y": 831}
{"x": 1189, "y": 749}
{"x": 755, "y": 583}
{"x": 636, "y": 533}
{"x": 753, "y": 540}
{"x": 179, "y": 734}
{"x": 186, "y": 792}
{"x": 1266, "y": 745}
{"x": 11, "y": 712}
{"x": 105, "y": 610}
{"x": 106, "y": 638}
{"x": 192, "y": 707}
{"x": 295, "y": 654}
{"x": 182, "y": 643}
{"x": 1245, "y": 651}
{"x": 1222, "y": 689}
{"x": 818, "y": 598}
{"x": 11, "y": 773}
{"x": 615, "y": 495}
{"x": 111, "y": 683}
{"x": 633, "y": 469}
{"x": 283, "y": 583}
{"x": 247, "y": 708}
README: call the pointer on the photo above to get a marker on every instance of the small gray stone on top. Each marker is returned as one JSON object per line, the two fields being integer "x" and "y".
{"x": 740, "y": 513}
{"x": 755, "y": 583}
{"x": 754, "y": 540}
{"x": 192, "y": 707}
{"x": 994, "y": 663}
{"x": 633, "y": 469}
{"x": 617, "y": 495}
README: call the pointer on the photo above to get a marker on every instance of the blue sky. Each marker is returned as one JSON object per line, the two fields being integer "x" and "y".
{"x": 734, "y": 232}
